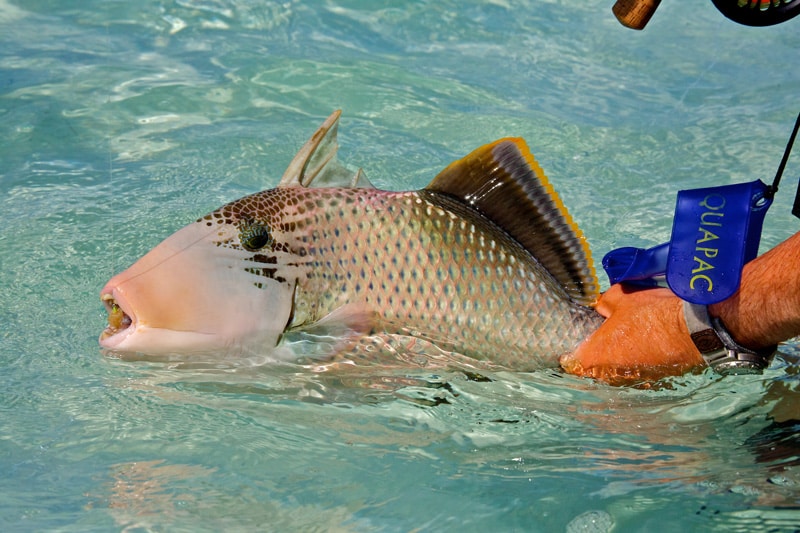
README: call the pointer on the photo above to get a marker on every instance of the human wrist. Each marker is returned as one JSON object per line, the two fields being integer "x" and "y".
{"x": 766, "y": 308}
{"x": 717, "y": 346}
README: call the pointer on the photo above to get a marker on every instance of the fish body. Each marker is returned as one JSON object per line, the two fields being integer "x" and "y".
{"x": 485, "y": 261}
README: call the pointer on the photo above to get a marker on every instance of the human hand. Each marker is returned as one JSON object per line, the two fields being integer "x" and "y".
{"x": 644, "y": 337}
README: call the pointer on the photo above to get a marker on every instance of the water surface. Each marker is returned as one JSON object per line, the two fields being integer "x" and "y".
{"x": 123, "y": 121}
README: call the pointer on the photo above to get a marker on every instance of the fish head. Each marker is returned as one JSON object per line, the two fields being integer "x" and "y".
{"x": 224, "y": 283}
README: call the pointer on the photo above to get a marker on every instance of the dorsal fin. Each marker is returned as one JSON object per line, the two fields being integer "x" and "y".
{"x": 504, "y": 183}
{"x": 316, "y": 161}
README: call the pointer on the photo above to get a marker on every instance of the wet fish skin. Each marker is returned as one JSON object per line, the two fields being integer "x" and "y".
{"x": 416, "y": 263}
{"x": 485, "y": 261}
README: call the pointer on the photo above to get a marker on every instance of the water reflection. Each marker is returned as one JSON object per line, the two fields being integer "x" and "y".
{"x": 698, "y": 434}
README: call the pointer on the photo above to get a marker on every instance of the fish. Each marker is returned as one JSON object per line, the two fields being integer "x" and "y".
{"x": 485, "y": 262}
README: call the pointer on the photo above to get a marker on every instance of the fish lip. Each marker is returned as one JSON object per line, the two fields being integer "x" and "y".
{"x": 112, "y": 336}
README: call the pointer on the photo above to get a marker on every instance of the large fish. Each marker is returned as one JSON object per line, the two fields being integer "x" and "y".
{"x": 485, "y": 261}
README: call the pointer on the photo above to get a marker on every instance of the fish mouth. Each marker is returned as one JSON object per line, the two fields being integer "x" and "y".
{"x": 120, "y": 322}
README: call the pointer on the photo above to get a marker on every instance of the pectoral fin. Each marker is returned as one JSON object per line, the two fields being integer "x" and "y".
{"x": 350, "y": 319}
{"x": 347, "y": 323}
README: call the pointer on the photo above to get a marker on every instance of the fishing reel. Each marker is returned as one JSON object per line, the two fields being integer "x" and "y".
{"x": 635, "y": 14}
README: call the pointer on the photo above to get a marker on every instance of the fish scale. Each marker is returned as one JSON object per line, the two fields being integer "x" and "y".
{"x": 426, "y": 268}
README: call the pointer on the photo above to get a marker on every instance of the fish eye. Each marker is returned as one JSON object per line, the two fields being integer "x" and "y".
{"x": 254, "y": 235}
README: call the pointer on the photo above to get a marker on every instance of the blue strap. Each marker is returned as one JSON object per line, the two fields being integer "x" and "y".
{"x": 637, "y": 266}
{"x": 716, "y": 231}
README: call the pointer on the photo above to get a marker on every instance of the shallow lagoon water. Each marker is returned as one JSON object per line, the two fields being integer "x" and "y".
{"x": 121, "y": 122}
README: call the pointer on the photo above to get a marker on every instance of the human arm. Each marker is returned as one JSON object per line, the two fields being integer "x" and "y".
{"x": 645, "y": 335}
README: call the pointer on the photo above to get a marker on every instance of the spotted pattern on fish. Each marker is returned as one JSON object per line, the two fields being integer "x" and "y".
{"x": 484, "y": 262}
{"x": 430, "y": 269}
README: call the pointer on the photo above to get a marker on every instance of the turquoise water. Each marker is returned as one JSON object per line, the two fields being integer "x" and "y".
{"x": 123, "y": 121}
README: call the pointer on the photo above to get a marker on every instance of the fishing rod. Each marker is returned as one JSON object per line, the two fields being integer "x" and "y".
{"x": 635, "y": 14}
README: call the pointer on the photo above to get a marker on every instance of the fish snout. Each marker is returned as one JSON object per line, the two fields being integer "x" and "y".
{"x": 120, "y": 317}
{"x": 189, "y": 295}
